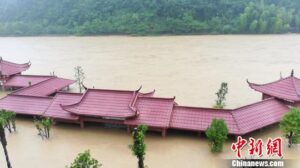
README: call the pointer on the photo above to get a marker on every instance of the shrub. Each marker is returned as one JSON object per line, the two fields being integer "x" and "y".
{"x": 84, "y": 160}
{"x": 217, "y": 134}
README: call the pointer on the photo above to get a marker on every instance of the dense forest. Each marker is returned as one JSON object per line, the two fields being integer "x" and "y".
{"x": 147, "y": 17}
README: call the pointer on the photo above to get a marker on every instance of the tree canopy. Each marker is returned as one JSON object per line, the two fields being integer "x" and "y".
{"x": 139, "y": 147}
{"x": 84, "y": 160}
{"x": 140, "y": 17}
{"x": 290, "y": 125}
{"x": 217, "y": 134}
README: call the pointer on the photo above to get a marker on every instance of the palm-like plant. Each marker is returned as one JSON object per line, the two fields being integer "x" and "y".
{"x": 3, "y": 140}
{"x": 10, "y": 120}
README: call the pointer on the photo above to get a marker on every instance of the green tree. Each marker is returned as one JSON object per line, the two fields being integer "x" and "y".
{"x": 217, "y": 134}
{"x": 3, "y": 141}
{"x": 84, "y": 160}
{"x": 290, "y": 126}
{"x": 139, "y": 147}
{"x": 44, "y": 126}
{"x": 221, "y": 96}
{"x": 10, "y": 120}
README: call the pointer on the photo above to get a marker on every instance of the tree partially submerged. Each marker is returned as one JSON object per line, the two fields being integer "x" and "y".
{"x": 43, "y": 126}
{"x": 84, "y": 160}
{"x": 290, "y": 126}
{"x": 217, "y": 134}
{"x": 10, "y": 120}
{"x": 79, "y": 77}
{"x": 221, "y": 96}
{"x": 3, "y": 140}
{"x": 139, "y": 147}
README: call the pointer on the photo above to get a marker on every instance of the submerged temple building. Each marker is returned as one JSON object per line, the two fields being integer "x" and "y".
{"x": 286, "y": 89}
{"x": 37, "y": 95}
{"x": 9, "y": 69}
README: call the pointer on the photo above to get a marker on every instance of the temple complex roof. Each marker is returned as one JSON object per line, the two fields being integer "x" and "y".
{"x": 285, "y": 88}
{"x": 117, "y": 104}
{"x": 9, "y": 68}
{"x": 153, "y": 112}
{"x": 45, "y": 88}
{"x": 56, "y": 111}
{"x": 26, "y": 105}
{"x": 25, "y": 80}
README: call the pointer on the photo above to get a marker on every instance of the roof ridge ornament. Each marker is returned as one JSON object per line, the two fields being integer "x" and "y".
{"x": 85, "y": 88}
{"x": 139, "y": 88}
{"x": 292, "y": 73}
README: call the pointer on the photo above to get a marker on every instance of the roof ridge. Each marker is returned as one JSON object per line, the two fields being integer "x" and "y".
{"x": 113, "y": 90}
{"x": 16, "y": 95}
{"x": 258, "y": 102}
{"x": 281, "y": 79}
{"x": 236, "y": 122}
{"x": 162, "y": 98}
{"x": 64, "y": 107}
{"x": 73, "y": 93}
{"x": 137, "y": 94}
{"x": 205, "y": 108}
{"x": 25, "y": 75}
{"x": 53, "y": 99}
{"x": 132, "y": 103}
{"x": 171, "y": 116}
{"x": 27, "y": 64}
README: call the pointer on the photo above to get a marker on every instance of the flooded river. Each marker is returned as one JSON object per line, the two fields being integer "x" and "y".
{"x": 188, "y": 67}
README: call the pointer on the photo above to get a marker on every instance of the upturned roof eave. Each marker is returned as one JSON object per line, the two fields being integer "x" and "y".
{"x": 257, "y": 88}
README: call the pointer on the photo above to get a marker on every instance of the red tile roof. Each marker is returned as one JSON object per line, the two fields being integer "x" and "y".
{"x": 45, "y": 88}
{"x": 199, "y": 119}
{"x": 116, "y": 104}
{"x": 55, "y": 110}
{"x": 286, "y": 88}
{"x": 153, "y": 112}
{"x": 8, "y": 68}
{"x": 23, "y": 80}
{"x": 258, "y": 115}
{"x": 28, "y": 105}
{"x": 239, "y": 121}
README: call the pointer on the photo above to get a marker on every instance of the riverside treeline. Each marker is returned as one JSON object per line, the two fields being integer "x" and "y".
{"x": 148, "y": 17}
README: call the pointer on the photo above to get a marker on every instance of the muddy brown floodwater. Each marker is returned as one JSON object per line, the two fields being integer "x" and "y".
{"x": 188, "y": 67}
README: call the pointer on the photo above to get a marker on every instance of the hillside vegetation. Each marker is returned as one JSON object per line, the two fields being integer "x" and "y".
{"x": 148, "y": 17}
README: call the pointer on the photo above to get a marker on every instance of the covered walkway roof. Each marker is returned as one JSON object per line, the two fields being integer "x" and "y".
{"x": 259, "y": 115}
{"x": 45, "y": 88}
{"x": 9, "y": 68}
{"x": 239, "y": 121}
{"x": 26, "y": 105}
{"x": 199, "y": 119}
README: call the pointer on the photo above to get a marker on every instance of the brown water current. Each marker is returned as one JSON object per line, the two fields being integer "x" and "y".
{"x": 188, "y": 67}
